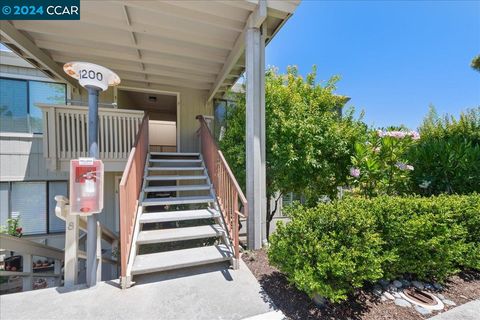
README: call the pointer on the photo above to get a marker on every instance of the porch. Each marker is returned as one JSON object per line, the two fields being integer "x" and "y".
{"x": 194, "y": 50}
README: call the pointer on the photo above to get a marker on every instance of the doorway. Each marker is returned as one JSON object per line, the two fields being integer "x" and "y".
{"x": 162, "y": 109}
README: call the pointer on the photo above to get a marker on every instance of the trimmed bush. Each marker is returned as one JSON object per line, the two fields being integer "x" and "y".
{"x": 336, "y": 247}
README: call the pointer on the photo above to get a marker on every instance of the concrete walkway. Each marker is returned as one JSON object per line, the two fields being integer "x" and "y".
{"x": 212, "y": 292}
{"x": 467, "y": 311}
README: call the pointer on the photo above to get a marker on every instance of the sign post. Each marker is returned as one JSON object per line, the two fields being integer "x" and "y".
{"x": 94, "y": 78}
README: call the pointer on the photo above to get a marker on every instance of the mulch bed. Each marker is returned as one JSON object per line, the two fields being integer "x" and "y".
{"x": 361, "y": 305}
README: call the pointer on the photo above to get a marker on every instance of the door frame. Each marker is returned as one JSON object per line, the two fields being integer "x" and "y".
{"x": 163, "y": 92}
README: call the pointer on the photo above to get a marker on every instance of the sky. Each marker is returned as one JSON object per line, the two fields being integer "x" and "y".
{"x": 395, "y": 58}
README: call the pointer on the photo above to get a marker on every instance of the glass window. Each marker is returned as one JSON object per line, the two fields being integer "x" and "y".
{"x": 3, "y": 203}
{"x": 43, "y": 92}
{"x": 55, "y": 188}
{"x": 13, "y": 106}
{"x": 28, "y": 201}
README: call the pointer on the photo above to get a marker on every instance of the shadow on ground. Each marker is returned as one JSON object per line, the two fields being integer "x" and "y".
{"x": 297, "y": 305}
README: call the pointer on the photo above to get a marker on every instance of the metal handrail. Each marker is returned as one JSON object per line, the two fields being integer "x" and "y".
{"x": 228, "y": 192}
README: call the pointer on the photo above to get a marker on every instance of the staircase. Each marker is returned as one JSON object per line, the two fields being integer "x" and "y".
{"x": 179, "y": 222}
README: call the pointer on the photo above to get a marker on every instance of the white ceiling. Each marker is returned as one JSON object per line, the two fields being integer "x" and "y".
{"x": 155, "y": 43}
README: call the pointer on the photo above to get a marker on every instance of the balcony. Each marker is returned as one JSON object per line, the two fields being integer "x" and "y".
{"x": 65, "y": 135}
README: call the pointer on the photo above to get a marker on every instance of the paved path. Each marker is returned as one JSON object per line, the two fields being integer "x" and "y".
{"x": 212, "y": 292}
{"x": 467, "y": 311}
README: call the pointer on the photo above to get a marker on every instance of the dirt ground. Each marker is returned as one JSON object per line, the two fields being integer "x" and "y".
{"x": 363, "y": 305}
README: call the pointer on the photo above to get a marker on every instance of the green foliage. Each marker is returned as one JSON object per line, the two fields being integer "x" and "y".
{"x": 12, "y": 228}
{"x": 336, "y": 247}
{"x": 447, "y": 157}
{"x": 379, "y": 164}
{"x": 308, "y": 145}
{"x": 476, "y": 63}
{"x": 327, "y": 249}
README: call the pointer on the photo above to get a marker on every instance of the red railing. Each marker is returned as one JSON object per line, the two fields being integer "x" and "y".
{"x": 229, "y": 194}
{"x": 130, "y": 188}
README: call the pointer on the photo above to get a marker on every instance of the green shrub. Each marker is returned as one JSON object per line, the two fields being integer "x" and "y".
{"x": 336, "y": 247}
{"x": 447, "y": 156}
{"x": 327, "y": 250}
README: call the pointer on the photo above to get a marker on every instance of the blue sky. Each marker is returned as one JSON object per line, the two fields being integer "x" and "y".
{"x": 394, "y": 57}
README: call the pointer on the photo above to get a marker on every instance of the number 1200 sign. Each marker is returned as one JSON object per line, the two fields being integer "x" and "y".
{"x": 90, "y": 74}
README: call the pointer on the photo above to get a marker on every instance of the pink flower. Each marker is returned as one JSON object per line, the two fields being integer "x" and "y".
{"x": 355, "y": 172}
{"x": 414, "y": 134}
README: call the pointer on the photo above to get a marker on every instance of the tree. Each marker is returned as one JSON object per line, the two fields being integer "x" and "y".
{"x": 476, "y": 63}
{"x": 308, "y": 144}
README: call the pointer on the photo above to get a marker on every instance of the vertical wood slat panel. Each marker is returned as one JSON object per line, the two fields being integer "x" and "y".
{"x": 124, "y": 133}
{"x": 57, "y": 134}
{"x": 110, "y": 133}
{"x": 120, "y": 137}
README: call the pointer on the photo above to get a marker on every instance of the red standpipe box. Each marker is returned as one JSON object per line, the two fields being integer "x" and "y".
{"x": 86, "y": 186}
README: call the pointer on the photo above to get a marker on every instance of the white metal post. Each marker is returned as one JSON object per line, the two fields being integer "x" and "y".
{"x": 255, "y": 137}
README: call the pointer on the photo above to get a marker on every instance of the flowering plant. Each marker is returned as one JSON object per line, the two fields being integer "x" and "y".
{"x": 12, "y": 228}
{"x": 380, "y": 165}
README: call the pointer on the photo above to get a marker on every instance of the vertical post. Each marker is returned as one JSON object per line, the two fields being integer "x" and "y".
{"x": 93, "y": 153}
{"x": 99, "y": 251}
{"x": 27, "y": 267}
{"x": 255, "y": 137}
{"x": 71, "y": 250}
{"x": 57, "y": 269}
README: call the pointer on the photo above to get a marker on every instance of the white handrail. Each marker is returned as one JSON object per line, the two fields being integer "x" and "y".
{"x": 28, "y": 249}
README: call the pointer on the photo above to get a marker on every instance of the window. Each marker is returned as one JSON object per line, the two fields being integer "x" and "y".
{"x": 18, "y": 112}
{"x": 34, "y": 203}
{"x": 221, "y": 108}
{"x": 28, "y": 203}
{"x": 13, "y": 105}
{"x": 43, "y": 92}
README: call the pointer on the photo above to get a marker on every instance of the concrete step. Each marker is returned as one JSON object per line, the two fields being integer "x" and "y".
{"x": 167, "y": 216}
{"x": 175, "y": 154}
{"x": 190, "y": 187}
{"x": 162, "y": 261}
{"x": 176, "y": 168}
{"x": 175, "y": 177}
{"x": 175, "y": 160}
{"x": 177, "y": 200}
{"x": 179, "y": 234}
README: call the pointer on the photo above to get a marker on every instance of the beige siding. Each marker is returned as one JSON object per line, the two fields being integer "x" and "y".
{"x": 192, "y": 103}
{"x": 21, "y": 158}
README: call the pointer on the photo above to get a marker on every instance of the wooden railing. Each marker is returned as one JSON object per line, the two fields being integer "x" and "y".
{"x": 229, "y": 194}
{"x": 65, "y": 133}
{"x": 130, "y": 188}
{"x": 28, "y": 249}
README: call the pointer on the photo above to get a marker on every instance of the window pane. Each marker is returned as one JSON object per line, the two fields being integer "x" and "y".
{"x": 13, "y": 106}
{"x": 28, "y": 202}
{"x": 55, "y": 188}
{"x": 3, "y": 203}
{"x": 43, "y": 92}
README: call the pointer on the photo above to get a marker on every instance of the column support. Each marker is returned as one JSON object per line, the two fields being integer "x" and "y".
{"x": 255, "y": 137}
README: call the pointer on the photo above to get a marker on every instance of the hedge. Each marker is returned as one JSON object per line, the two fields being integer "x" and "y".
{"x": 333, "y": 248}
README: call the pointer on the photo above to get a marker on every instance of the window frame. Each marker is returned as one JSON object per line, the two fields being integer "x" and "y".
{"x": 28, "y": 96}
{"x": 47, "y": 204}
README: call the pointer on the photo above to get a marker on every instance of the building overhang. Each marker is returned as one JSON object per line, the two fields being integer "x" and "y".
{"x": 152, "y": 44}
